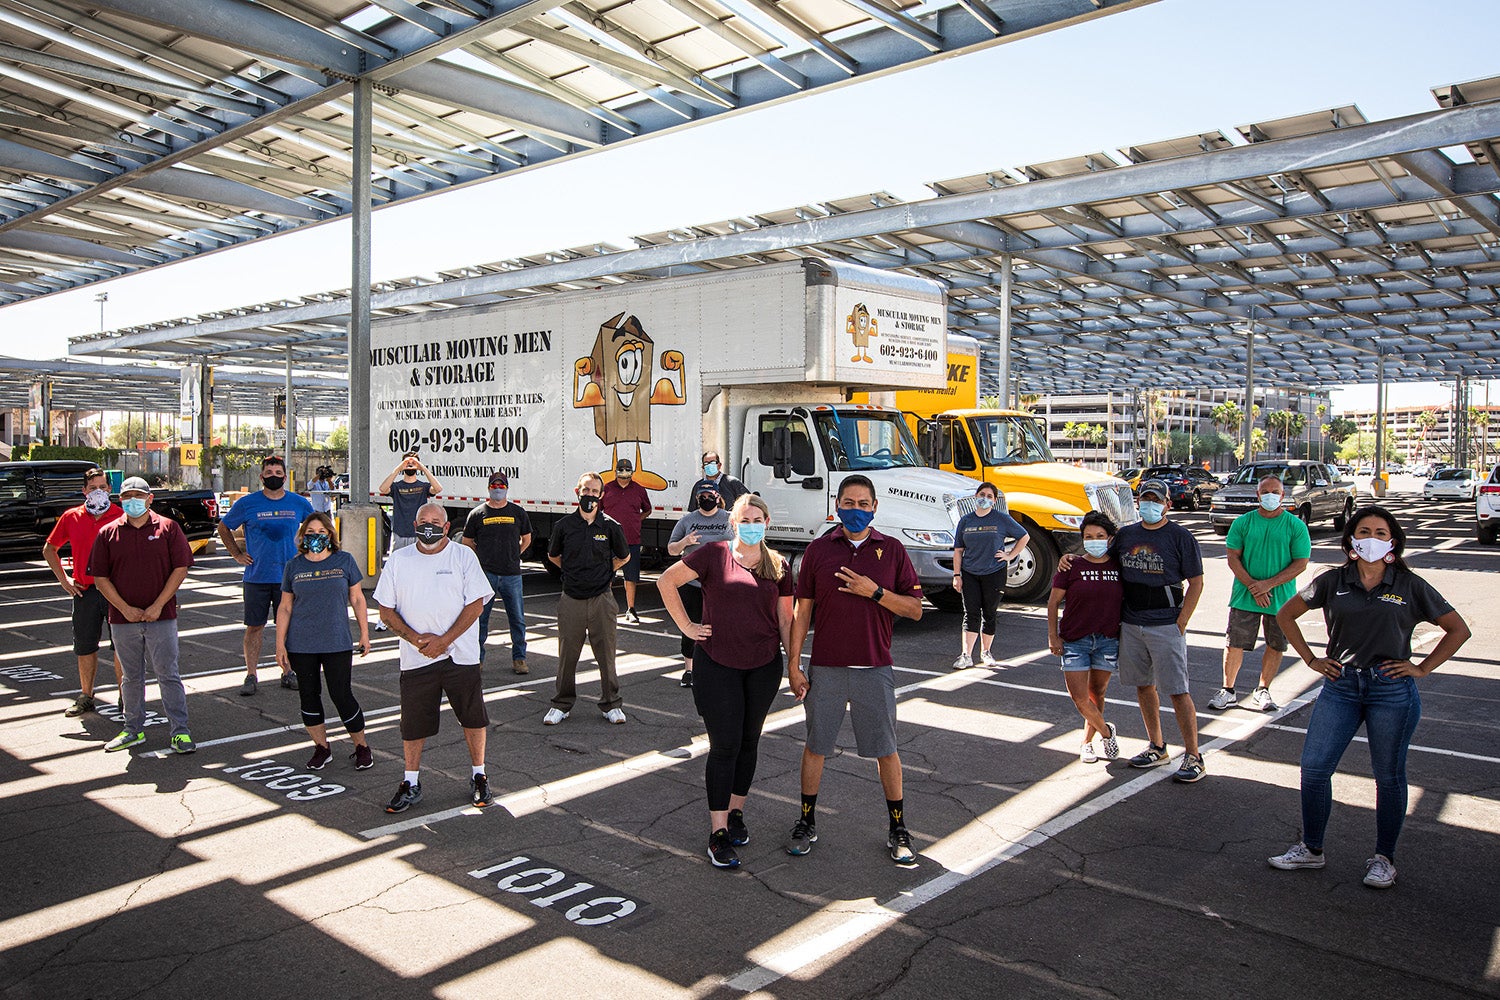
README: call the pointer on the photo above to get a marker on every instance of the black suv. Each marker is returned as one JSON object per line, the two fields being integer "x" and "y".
{"x": 1191, "y": 487}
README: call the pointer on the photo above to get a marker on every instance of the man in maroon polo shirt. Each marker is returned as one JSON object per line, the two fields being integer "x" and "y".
{"x": 628, "y": 502}
{"x": 853, "y": 583}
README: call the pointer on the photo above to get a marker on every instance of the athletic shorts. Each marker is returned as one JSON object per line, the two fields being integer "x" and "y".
{"x": 260, "y": 603}
{"x": 632, "y": 569}
{"x": 1154, "y": 655}
{"x": 1245, "y": 627}
{"x": 90, "y": 621}
{"x": 869, "y": 696}
{"x": 422, "y": 691}
{"x": 1092, "y": 652}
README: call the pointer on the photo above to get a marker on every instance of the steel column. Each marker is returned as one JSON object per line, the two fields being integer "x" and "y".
{"x": 1002, "y": 339}
{"x": 1249, "y": 428}
{"x": 359, "y": 519}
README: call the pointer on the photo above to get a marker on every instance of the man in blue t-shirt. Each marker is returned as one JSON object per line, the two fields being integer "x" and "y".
{"x": 270, "y": 518}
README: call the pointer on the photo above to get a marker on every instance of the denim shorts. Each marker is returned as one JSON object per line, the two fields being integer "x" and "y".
{"x": 1092, "y": 652}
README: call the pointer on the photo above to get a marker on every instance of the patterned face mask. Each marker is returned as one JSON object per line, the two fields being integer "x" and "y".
{"x": 96, "y": 502}
{"x": 316, "y": 542}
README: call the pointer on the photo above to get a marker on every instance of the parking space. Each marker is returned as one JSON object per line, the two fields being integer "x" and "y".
{"x": 1039, "y": 875}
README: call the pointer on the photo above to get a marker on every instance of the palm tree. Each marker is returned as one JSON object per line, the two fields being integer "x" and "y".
{"x": 1322, "y": 411}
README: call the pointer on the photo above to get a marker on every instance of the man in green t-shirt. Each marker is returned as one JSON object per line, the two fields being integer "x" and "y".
{"x": 1268, "y": 548}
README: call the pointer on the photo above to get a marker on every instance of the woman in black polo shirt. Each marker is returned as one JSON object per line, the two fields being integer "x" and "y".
{"x": 1371, "y": 604}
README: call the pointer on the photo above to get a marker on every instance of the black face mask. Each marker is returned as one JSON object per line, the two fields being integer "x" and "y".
{"x": 429, "y": 534}
{"x": 707, "y": 504}
{"x": 274, "y": 483}
{"x": 587, "y": 503}
{"x": 408, "y": 472}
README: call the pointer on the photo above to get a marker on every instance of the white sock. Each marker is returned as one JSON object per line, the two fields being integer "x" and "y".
{"x": 478, "y": 770}
{"x": 415, "y": 777}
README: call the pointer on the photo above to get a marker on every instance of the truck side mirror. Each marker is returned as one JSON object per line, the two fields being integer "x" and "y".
{"x": 781, "y": 453}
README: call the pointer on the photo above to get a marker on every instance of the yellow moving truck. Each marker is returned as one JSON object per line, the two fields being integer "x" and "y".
{"x": 1009, "y": 448}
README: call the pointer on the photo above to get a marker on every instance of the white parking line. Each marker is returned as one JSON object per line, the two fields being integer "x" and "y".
{"x": 1419, "y": 749}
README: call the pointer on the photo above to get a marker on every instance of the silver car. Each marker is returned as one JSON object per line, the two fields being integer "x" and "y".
{"x": 1311, "y": 490}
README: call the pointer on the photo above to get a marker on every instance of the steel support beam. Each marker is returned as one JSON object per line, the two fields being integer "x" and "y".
{"x": 1249, "y": 414}
{"x": 359, "y": 304}
{"x": 1002, "y": 340}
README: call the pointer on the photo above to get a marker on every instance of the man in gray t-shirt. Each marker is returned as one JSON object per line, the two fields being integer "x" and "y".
{"x": 707, "y": 522}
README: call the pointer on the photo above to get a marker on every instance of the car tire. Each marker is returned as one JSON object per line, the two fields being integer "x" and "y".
{"x": 1305, "y": 512}
{"x": 1343, "y": 516}
{"x": 1221, "y": 529}
{"x": 945, "y": 600}
{"x": 1195, "y": 501}
{"x": 1488, "y": 537}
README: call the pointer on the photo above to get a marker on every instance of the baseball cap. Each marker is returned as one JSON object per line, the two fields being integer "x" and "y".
{"x": 707, "y": 488}
{"x": 499, "y": 479}
{"x": 135, "y": 483}
{"x": 624, "y": 465}
{"x": 1155, "y": 487}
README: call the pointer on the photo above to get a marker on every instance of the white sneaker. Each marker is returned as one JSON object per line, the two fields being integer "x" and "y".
{"x": 615, "y": 717}
{"x": 988, "y": 659}
{"x": 1262, "y": 700}
{"x": 1297, "y": 856}
{"x": 1224, "y": 699}
{"x": 554, "y": 716}
{"x": 1380, "y": 872}
{"x": 1111, "y": 744}
{"x": 963, "y": 662}
{"x": 1087, "y": 755}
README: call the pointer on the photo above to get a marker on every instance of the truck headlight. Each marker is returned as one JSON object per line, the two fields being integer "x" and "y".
{"x": 931, "y": 539}
{"x": 1070, "y": 520}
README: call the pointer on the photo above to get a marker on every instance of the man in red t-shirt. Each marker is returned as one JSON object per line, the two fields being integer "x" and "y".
{"x": 853, "y": 583}
{"x": 76, "y": 528}
{"x": 628, "y": 502}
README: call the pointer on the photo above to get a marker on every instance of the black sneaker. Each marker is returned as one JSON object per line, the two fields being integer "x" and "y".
{"x": 739, "y": 834}
{"x": 249, "y": 687}
{"x": 721, "y": 852}
{"x": 1152, "y": 756}
{"x": 801, "y": 839}
{"x": 83, "y": 703}
{"x": 406, "y": 796}
{"x": 479, "y": 791}
{"x": 321, "y": 755}
{"x": 687, "y": 679}
{"x": 363, "y": 758}
{"x": 899, "y": 843}
{"x": 289, "y": 681}
{"x": 632, "y": 617}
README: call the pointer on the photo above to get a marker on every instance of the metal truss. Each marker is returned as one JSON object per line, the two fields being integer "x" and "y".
{"x": 135, "y": 133}
{"x": 87, "y": 386}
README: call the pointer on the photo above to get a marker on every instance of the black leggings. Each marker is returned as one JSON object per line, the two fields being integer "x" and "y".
{"x": 338, "y": 668}
{"x": 982, "y": 596}
{"x": 692, "y": 603}
{"x": 734, "y": 704}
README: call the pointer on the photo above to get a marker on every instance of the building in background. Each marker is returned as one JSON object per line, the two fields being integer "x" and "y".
{"x": 1429, "y": 434}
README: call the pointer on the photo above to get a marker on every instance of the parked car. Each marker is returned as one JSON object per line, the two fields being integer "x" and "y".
{"x": 1487, "y": 508}
{"x": 33, "y": 494}
{"x": 1131, "y": 476}
{"x": 1191, "y": 487}
{"x": 1311, "y": 490}
{"x": 1451, "y": 484}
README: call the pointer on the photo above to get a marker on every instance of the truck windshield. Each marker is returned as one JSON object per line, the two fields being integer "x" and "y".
{"x": 855, "y": 440}
{"x": 1006, "y": 440}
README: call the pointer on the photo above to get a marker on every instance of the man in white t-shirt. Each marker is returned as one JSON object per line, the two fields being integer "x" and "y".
{"x": 430, "y": 595}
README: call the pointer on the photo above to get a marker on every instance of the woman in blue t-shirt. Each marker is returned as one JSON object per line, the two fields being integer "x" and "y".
{"x": 318, "y": 587}
{"x": 980, "y": 560}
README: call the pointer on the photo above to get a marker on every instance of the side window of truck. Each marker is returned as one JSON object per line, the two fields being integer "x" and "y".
{"x": 802, "y": 446}
{"x": 14, "y": 485}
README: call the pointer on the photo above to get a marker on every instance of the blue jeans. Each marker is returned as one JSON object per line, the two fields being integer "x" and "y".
{"x": 1389, "y": 710}
{"x": 1092, "y": 652}
{"x": 508, "y": 590}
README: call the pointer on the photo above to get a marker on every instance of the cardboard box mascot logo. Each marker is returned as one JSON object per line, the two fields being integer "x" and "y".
{"x": 610, "y": 381}
{"x": 861, "y": 326}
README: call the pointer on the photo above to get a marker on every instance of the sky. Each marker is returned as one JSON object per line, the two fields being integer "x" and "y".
{"x": 1174, "y": 68}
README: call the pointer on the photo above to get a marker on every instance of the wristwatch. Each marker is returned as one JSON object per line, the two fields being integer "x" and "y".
{"x": 879, "y": 593}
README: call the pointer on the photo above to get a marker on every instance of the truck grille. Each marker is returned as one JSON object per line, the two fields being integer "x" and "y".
{"x": 1114, "y": 500}
{"x": 959, "y": 506}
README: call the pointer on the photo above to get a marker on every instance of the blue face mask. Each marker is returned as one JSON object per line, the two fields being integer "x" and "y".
{"x": 985, "y": 503}
{"x": 1151, "y": 512}
{"x": 711, "y": 469}
{"x": 855, "y": 520}
{"x": 316, "y": 542}
{"x": 751, "y": 533}
{"x": 1271, "y": 501}
{"x": 1096, "y": 547}
{"x": 134, "y": 507}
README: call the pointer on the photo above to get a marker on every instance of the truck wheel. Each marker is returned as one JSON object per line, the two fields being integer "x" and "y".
{"x": 1030, "y": 578}
{"x": 1195, "y": 501}
{"x": 1343, "y": 516}
{"x": 945, "y": 600}
{"x": 1221, "y": 529}
{"x": 1305, "y": 512}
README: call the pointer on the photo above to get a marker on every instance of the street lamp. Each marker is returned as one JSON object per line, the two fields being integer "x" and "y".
{"x": 101, "y": 298}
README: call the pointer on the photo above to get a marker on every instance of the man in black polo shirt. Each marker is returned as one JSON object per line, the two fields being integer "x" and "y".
{"x": 588, "y": 546}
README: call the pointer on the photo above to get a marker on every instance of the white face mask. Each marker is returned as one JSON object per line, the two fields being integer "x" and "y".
{"x": 1371, "y": 550}
{"x": 1271, "y": 501}
{"x": 96, "y": 502}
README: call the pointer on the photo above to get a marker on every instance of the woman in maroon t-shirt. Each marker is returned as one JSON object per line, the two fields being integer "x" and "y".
{"x": 747, "y": 619}
{"x": 1088, "y": 637}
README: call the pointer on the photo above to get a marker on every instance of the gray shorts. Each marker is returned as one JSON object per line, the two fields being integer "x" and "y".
{"x": 869, "y": 695}
{"x": 1245, "y": 627}
{"x": 1154, "y": 655}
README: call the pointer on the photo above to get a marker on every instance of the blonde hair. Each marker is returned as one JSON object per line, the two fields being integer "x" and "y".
{"x": 771, "y": 566}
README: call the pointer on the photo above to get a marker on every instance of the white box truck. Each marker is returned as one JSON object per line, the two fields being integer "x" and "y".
{"x": 757, "y": 363}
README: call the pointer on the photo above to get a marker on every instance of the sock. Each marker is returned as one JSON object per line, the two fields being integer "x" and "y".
{"x": 1229, "y": 689}
{"x": 478, "y": 769}
{"x": 415, "y": 777}
{"x": 897, "y": 811}
{"x": 809, "y": 805}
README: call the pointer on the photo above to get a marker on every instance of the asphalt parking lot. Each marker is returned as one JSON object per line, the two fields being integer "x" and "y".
{"x": 236, "y": 871}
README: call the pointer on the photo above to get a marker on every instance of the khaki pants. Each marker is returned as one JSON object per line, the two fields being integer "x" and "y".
{"x": 594, "y": 618}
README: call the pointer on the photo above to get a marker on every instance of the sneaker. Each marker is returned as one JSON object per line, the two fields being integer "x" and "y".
{"x": 964, "y": 662}
{"x": 519, "y": 667}
{"x": 1086, "y": 754}
{"x": 363, "y": 758}
{"x": 1380, "y": 872}
{"x": 686, "y": 680}
{"x": 1192, "y": 769}
{"x": 381, "y": 627}
{"x": 1110, "y": 743}
{"x": 321, "y": 755}
{"x": 183, "y": 743}
{"x": 989, "y": 659}
{"x": 899, "y": 843}
{"x": 124, "y": 741}
{"x": 1225, "y": 698}
{"x": 801, "y": 839}
{"x": 83, "y": 703}
{"x": 632, "y": 617}
{"x": 1299, "y": 855}
{"x": 289, "y": 681}
{"x": 1262, "y": 700}
{"x": 615, "y": 717}
{"x": 479, "y": 791}
{"x": 554, "y": 716}
{"x": 721, "y": 851}
{"x": 248, "y": 688}
{"x": 1152, "y": 756}
{"x": 739, "y": 834}
{"x": 406, "y": 796}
